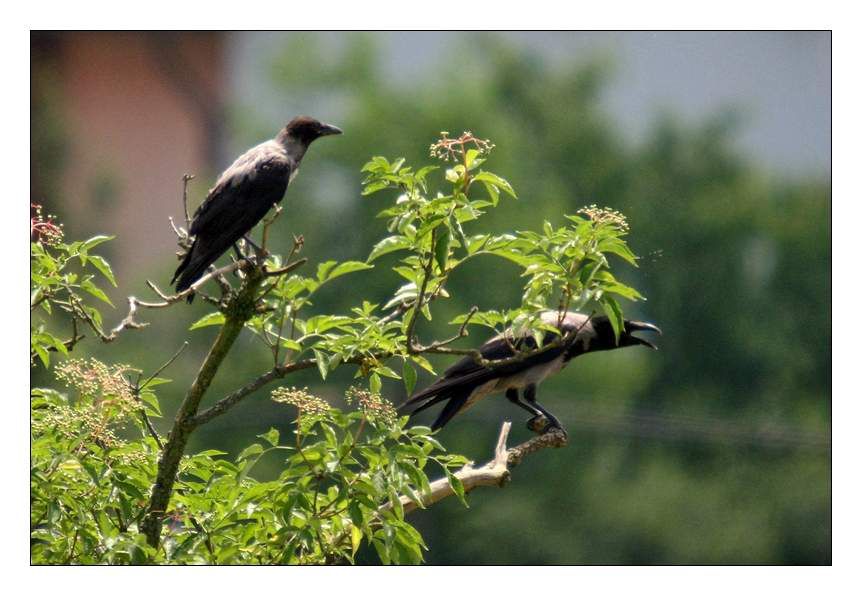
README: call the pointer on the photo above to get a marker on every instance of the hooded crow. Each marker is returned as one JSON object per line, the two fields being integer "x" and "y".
{"x": 467, "y": 382}
{"x": 244, "y": 193}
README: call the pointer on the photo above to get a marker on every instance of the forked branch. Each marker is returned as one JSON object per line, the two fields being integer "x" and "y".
{"x": 496, "y": 472}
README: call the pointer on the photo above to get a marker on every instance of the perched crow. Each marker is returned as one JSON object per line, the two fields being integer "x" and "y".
{"x": 244, "y": 193}
{"x": 466, "y": 382}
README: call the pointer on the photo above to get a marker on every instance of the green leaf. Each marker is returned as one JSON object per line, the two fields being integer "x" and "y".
{"x": 374, "y": 383}
{"x": 348, "y": 267}
{"x": 408, "y": 374}
{"x": 271, "y": 436}
{"x": 457, "y": 485}
{"x": 43, "y": 354}
{"x": 322, "y": 363}
{"x": 150, "y": 399}
{"x": 156, "y": 381}
{"x": 441, "y": 247}
{"x": 380, "y": 547}
{"x": 355, "y": 538}
{"x": 103, "y": 266}
{"x": 250, "y": 451}
{"x": 386, "y": 371}
{"x": 615, "y": 315}
{"x": 89, "y": 287}
{"x": 619, "y": 248}
{"x": 95, "y": 241}
{"x": 324, "y": 268}
{"x": 213, "y": 318}
{"x": 387, "y": 245}
{"x": 497, "y": 181}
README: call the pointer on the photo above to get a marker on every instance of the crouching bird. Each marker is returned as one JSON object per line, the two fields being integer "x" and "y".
{"x": 467, "y": 381}
{"x": 244, "y": 193}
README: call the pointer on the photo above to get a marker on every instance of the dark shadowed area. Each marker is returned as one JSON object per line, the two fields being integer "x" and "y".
{"x": 715, "y": 449}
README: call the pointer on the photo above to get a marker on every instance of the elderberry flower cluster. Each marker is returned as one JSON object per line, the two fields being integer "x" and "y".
{"x": 605, "y": 215}
{"x": 44, "y": 228}
{"x": 372, "y": 404}
{"x": 455, "y": 149}
{"x": 93, "y": 378}
{"x": 300, "y": 399}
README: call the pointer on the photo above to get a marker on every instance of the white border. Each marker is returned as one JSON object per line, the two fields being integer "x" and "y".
{"x": 444, "y": 14}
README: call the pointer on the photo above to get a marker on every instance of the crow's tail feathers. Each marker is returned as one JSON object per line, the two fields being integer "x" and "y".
{"x": 456, "y": 396}
{"x": 191, "y": 269}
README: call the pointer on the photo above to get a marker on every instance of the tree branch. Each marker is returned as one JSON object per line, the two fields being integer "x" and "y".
{"x": 496, "y": 472}
{"x": 238, "y": 311}
{"x": 232, "y": 399}
{"x": 186, "y": 179}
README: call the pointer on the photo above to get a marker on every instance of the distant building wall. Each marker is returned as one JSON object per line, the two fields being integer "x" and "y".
{"x": 138, "y": 110}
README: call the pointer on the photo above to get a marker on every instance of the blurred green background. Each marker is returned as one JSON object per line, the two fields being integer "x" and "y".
{"x": 714, "y": 449}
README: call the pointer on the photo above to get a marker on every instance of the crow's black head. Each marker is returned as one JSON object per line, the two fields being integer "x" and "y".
{"x": 603, "y": 338}
{"x": 306, "y": 129}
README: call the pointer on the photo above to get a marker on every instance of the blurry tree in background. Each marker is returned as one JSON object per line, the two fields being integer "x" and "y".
{"x": 713, "y": 450}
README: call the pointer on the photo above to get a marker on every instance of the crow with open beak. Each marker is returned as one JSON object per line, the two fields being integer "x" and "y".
{"x": 468, "y": 381}
{"x": 244, "y": 193}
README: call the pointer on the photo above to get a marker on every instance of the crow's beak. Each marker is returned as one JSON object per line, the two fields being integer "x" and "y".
{"x": 641, "y": 326}
{"x": 328, "y": 129}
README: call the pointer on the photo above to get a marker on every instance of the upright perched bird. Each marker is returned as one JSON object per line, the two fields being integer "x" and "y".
{"x": 466, "y": 382}
{"x": 244, "y": 193}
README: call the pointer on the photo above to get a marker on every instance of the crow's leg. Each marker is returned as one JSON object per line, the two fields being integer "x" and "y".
{"x": 512, "y": 396}
{"x": 533, "y": 423}
{"x": 239, "y": 254}
{"x": 251, "y": 243}
{"x": 541, "y": 420}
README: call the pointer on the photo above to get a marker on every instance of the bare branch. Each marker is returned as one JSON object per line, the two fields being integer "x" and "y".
{"x": 232, "y": 399}
{"x": 496, "y": 472}
{"x": 417, "y": 306}
{"x": 186, "y": 179}
{"x": 266, "y": 225}
{"x": 182, "y": 237}
{"x": 462, "y": 332}
{"x": 287, "y": 268}
{"x": 165, "y": 365}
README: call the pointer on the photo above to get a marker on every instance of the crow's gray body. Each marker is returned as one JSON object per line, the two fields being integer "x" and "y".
{"x": 243, "y": 194}
{"x": 466, "y": 382}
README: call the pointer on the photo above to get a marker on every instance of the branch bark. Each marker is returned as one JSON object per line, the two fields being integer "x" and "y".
{"x": 240, "y": 309}
{"x": 496, "y": 472}
{"x": 229, "y": 401}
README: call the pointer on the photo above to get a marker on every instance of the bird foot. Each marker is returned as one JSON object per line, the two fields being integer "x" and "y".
{"x": 541, "y": 425}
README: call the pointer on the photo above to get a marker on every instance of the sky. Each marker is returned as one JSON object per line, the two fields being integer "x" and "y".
{"x": 779, "y": 82}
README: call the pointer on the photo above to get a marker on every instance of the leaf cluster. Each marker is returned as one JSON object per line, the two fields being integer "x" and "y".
{"x": 343, "y": 476}
{"x": 65, "y": 277}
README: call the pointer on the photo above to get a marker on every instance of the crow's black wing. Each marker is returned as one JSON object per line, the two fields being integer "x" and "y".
{"x": 233, "y": 207}
{"x": 244, "y": 195}
{"x": 459, "y": 380}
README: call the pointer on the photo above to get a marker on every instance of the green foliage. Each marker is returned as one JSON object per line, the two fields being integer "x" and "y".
{"x": 429, "y": 223}
{"x": 88, "y": 487}
{"x": 63, "y": 276}
{"x": 735, "y": 262}
{"x": 343, "y": 476}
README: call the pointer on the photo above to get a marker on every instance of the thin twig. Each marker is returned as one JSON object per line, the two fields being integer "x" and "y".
{"x": 266, "y": 225}
{"x": 186, "y": 179}
{"x": 230, "y": 400}
{"x": 417, "y": 306}
{"x": 287, "y": 268}
{"x": 462, "y": 332}
{"x": 165, "y": 365}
